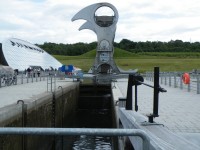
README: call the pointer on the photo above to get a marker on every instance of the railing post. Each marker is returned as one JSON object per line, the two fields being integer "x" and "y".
{"x": 129, "y": 93}
{"x": 181, "y": 83}
{"x": 198, "y": 84}
{"x": 27, "y": 79}
{"x": 156, "y": 90}
{"x": 189, "y": 87}
{"x": 165, "y": 78}
{"x": 149, "y": 76}
{"x": 146, "y": 76}
{"x": 133, "y": 80}
{"x": 155, "y": 95}
{"x": 175, "y": 80}
{"x": 152, "y": 76}
{"x": 170, "y": 80}
{"x": 136, "y": 104}
{"x": 0, "y": 81}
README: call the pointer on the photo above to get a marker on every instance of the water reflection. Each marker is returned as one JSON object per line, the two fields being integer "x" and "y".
{"x": 92, "y": 119}
{"x": 92, "y": 143}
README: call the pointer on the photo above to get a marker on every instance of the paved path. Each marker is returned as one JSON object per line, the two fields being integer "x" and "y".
{"x": 179, "y": 110}
{"x": 11, "y": 94}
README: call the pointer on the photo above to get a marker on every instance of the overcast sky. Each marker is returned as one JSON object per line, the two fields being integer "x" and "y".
{"x": 39, "y": 21}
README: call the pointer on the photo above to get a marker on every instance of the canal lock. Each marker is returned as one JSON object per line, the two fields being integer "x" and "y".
{"x": 94, "y": 110}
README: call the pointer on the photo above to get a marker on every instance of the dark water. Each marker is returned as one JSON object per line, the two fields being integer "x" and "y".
{"x": 93, "y": 143}
{"x": 90, "y": 119}
{"x": 93, "y": 111}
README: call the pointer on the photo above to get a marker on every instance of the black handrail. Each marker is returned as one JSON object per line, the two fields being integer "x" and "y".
{"x": 135, "y": 79}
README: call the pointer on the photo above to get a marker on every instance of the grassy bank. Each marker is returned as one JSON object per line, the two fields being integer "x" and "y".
{"x": 142, "y": 61}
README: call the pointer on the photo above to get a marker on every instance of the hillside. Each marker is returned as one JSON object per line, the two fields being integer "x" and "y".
{"x": 144, "y": 61}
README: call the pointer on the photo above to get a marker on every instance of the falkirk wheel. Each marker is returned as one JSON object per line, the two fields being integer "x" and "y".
{"x": 104, "y": 68}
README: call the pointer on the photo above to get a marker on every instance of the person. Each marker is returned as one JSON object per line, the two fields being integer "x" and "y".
{"x": 34, "y": 72}
{"x": 29, "y": 72}
{"x": 16, "y": 71}
{"x": 38, "y": 72}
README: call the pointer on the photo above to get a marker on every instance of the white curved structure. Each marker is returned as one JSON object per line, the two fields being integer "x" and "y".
{"x": 21, "y": 55}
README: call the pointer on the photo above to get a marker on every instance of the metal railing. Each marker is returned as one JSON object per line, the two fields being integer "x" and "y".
{"x": 135, "y": 80}
{"x": 78, "y": 131}
{"x": 174, "y": 79}
{"x": 51, "y": 83}
{"x": 21, "y": 78}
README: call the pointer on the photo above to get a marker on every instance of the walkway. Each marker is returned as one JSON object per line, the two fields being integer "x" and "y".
{"x": 11, "y": 94}
{"x": 178, "y": 110}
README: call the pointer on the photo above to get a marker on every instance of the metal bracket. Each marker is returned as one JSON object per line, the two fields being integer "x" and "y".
{"x": 150, "y": 124}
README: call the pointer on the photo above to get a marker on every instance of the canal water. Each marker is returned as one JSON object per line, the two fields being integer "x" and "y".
{"x": 93, "y": 111}
{"x": 93, "y": 119}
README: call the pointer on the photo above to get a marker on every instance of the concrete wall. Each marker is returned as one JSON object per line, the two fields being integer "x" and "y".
{"x": 48, "y": 110}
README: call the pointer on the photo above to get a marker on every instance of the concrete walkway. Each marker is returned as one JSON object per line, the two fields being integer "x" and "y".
{"x": 11, "y": 94}
{"x": 179, "y": 110}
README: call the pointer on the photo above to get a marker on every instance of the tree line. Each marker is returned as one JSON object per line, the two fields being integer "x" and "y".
{"x": 67, "y": 49}
{"x": 125, "y": 44}
{"x": 157, "y": 46}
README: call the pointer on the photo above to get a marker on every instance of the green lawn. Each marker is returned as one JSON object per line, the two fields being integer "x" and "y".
{"x": 142, "y": 61}
{"x": 165, "y": 64}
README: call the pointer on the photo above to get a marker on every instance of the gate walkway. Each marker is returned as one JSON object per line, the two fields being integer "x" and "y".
{"x": 178, "y": 109}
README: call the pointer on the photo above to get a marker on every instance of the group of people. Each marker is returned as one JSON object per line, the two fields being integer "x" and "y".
{"x": 36, "y": 72}
{"x": 32, "y": 72}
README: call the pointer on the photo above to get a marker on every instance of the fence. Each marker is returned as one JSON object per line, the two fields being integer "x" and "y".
{"x": 21, "y": 78}
{"x": 174, "y": 79}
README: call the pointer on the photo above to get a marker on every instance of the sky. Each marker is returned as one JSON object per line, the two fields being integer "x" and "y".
{"x": 39, "y": 21}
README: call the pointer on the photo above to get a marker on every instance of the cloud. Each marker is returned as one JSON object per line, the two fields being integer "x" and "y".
{"x": 40, "y": 21}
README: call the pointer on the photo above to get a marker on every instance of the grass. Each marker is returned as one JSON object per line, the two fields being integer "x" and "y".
{"x": 172, "y": 64}
{"x": 142, "y": 61}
